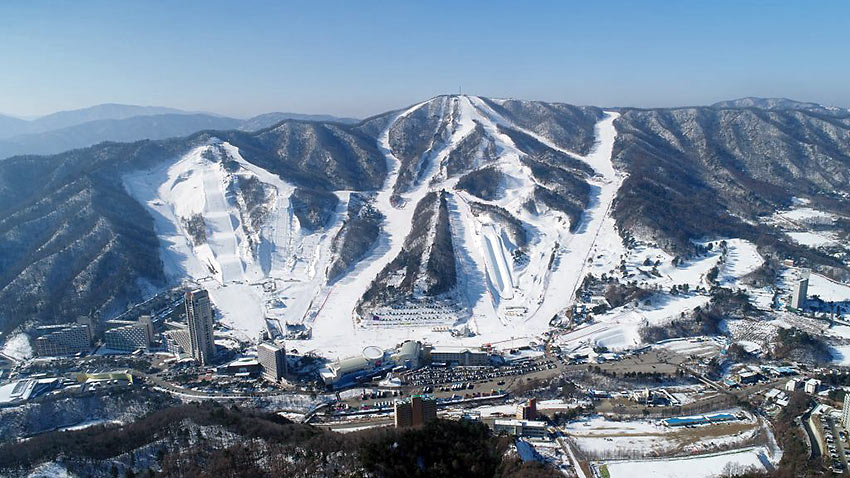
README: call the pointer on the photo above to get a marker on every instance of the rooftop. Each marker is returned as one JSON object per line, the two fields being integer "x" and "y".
{"x": 524, "y": 423}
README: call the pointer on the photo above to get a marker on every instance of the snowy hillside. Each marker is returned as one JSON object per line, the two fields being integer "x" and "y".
{"x": 459, "y": 219}
{"x": 484, "y": 231}
{"x": 229, "y": 226}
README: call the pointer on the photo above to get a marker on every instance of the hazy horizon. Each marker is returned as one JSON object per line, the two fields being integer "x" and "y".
{"x": 348, "y": 59}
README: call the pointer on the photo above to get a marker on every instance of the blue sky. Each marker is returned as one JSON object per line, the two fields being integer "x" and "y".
{"x": 359, "y": 57}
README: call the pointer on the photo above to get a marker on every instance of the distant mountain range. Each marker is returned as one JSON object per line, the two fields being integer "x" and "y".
{"x": 777, "y": 104}
{"x": 66, "y": 130}
{"x": 14, "y": 126}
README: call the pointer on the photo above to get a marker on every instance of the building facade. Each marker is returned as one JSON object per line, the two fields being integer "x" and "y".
{"x": 522, "y": 428}
{"x": 65, "y": 340}
{"x": 845, "y": 412}
{"x": 177, "y": 341}
{"x": 415, "y": 412}
{"x": 458, "y": 356}
{"x": 128, "y": 338}
{"x": 409, "y": 354}
{"x": 199, "y": 318}
{"x": 801, "y": 290}
{"x": 527, "y": 410}
{"x": 272, "y": 358}
{"x": 812, "y": 385}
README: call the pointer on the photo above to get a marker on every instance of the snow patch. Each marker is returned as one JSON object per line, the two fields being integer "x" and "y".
{"x": 695, "y": 467}
{"x": 18, "y": 347}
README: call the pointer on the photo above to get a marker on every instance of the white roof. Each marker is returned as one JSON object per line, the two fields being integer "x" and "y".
{"x": 245, "y": 361}
{"x": 453, "y": 349}
{"x": 513, "y": 422}
{"x": 20, "y": 390}
{"x": 349, "y": 365}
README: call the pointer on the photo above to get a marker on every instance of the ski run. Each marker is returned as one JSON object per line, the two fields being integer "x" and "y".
{"x": 265, "y": 271}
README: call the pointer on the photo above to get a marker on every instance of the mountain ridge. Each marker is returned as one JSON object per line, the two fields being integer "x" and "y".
{"x": 125, "y": 123}
{"x": 675, "y": 162}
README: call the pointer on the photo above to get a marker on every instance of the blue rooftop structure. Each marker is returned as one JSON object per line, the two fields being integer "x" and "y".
{"x": 701, "y": 420}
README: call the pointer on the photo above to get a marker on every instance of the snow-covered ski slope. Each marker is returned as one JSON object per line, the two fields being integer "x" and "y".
{"x": 499, "y": 269}
{"x": 251, "y": 272}
{"x": 505, "y": 302}
{"x": 264, "y": 269}
{"x": 273, "y": 269}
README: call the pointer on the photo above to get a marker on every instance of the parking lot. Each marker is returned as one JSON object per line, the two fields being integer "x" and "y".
{"x": 836, "y": 444}
{"x": 458, "y": 382}
{"x": 433, "y": 379}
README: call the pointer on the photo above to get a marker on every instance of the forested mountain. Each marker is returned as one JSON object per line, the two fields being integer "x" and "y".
{"x": 715, "y": 171}
{"x": 390, "y": 204}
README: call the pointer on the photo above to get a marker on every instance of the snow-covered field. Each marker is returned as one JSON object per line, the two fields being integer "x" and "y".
{"x": 695, "y": 467}
{"x": 89, "y": 423}
{"x": 606, "y": 439}
{"x": 617, "y": 443}
{"x": 510, "y": 408}
{"x": 841, "y": 354}
{"x": 699, "y": 346}
{"x": 619, "y": 328}
{"x": 812, "y": 239}
{"x": 50, "y": 470}
{"x": 807, "y": 226}
{"x": 828, "y": 289}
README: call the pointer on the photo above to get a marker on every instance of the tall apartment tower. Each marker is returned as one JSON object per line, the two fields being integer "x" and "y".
{"x": 527, "y": 410}
{"x": 845, "y": 412}
{"x": 801, "y": 289}
{"x": 272, "y": 358}
{"x": 415, "y": 412}
{"x": 199, "y": 316}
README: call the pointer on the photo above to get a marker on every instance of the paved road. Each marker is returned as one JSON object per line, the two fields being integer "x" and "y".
{"x": 569, "y": 450}
{"x": 177, "y": 389}
{"x": 811, "y": 432}
{"x": 343, "y": 427}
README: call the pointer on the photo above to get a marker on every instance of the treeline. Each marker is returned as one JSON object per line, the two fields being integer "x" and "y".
{"x": 703, "y": 321}
{"x": 440, "y": 268}
{"x": 313, "y": 207}
{"x": 356, "y": 236}
{"x": 562, "y": 190}
{"x": 724, "y": 304}
{"x": 430, "y": 222}
{"x": 71, "y": 215}
{"x": 514, "y": 226}
{"x": 101, "y": 442}
{"x": 796, "y": 460}
{"x": 688, "y": 181}
{"x": 443, "y": 448}
{"x": 485, "y": 183}
{"x": 238, "y": 442}
{"x": 799, "y": 345}
{"x": 618, "y": 294}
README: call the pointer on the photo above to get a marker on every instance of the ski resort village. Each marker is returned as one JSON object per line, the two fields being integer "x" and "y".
{"x": 471, "y": 260}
